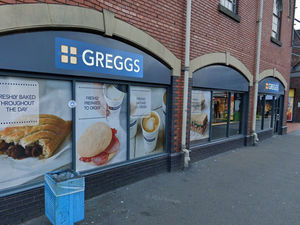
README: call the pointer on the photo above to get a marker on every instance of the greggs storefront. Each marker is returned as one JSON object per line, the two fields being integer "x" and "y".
{"x": 219, "y": 104}
{"x": 82, "y": 101}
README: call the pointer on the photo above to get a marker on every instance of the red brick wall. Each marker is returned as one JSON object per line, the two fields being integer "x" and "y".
{"x": 163, "y": 20}
{"x": 212, "y": 31}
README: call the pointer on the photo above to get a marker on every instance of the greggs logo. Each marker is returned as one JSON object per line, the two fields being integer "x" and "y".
{"x": 76, "y": 55}
{"x": 68, "y": 54}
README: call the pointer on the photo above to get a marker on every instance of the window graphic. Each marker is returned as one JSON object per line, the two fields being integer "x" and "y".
{"x": 68, "y": 53}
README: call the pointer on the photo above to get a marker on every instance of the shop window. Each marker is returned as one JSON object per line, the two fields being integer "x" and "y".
{"x": 147, "y": 120}
{"x": 214, "y": 117}
{"x": 220, "y": 114}
{"x": 268, "y": 111}
{"x": 236, "y": 107}
{"x": 101, "y": 125}
{"x": 259, "y": 112}
{"x": 289, "y": 113}
{"x": 35, "y": 129}
{"x": 200, "y": 115}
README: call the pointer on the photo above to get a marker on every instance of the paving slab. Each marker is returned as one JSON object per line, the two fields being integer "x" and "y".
{"x": 256, "y": 185}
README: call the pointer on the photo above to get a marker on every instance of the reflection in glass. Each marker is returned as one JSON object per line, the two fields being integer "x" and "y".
{"x": 235, "y": 114}
{"x": 220, "y": 113}
{"x": 268, "y": 111}
{"x": 259, "y": 112}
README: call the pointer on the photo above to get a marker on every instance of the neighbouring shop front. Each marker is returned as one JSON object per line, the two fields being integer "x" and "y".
{"x": 219, "y": 109}
{"x": 80, "y": 101}
{"x": 290, "y": 109}
{"x": 270, "y": 103}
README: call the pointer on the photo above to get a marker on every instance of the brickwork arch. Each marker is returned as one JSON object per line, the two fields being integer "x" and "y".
{"x": 273, "y": 73}
{"x": 19, "y": 17}
{"x": 223, "y": 58}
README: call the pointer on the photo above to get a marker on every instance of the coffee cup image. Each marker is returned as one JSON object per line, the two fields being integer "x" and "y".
{"x": 150, "y": 126}
{"x": 113, "y": 98}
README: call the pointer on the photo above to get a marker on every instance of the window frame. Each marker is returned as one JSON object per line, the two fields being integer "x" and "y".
{"x": 232, "y": 13}
{"x": 228, "y": 2}
{"x": 276, "y": 34}
{"x": 243, "y": 117}
{"x": 73, "y": 79}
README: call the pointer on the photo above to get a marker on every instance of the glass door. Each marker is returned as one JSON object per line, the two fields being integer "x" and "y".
{"x": 276, "y": 113}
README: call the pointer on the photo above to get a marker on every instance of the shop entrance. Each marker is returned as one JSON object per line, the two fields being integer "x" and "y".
{"x": 269, "y": 112}
{"x": 277, "y": 103}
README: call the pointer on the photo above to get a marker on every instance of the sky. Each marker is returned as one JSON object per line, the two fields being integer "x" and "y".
{"x": 297, "y": 14}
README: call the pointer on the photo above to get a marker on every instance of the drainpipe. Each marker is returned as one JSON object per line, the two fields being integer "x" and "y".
{"x": 186, "y": 83}
{"x": 258, "y": 51}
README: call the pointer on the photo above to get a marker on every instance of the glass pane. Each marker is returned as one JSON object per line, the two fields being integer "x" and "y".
{"x": 35, "y": 129}
{"x": 235, "y": 113}
{"x": 101, "y": 125}
{"x": 274, "y": 28}
{"x": 259, "y": 112}
{"x": 220, "y": 111}
{"x": 275, "y": 20}
{"x": 147, "y": 120}
{"x": 275, "y": 7}
{"x": 276, "y": 112}
{"x": 200, "y": 115}
{"x": 268, "y": 111}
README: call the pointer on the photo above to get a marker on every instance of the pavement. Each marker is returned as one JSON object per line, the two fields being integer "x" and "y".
{"x": 293, "y": 127}
{"x": 256, "y": 185}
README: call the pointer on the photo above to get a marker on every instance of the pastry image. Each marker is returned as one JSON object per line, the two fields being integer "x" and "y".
{"x": 199, "y": 123}
{"x": 35, "y": 141}
{"x": 98, "y": 144}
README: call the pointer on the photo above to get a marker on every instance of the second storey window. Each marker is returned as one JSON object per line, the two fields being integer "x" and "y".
{"x": 276, "y": 19}
{"x": 229, "y": 4}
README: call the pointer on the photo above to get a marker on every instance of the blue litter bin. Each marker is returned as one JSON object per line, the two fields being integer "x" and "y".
{"x": 64, "y": 197}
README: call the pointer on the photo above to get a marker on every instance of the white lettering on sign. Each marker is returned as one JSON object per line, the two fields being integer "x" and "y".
{"x": 272, "y": 86}
{"x": 19, "y": 103}
{"x": 109, "y": 61}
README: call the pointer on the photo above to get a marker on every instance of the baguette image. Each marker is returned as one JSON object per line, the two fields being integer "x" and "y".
{"x": 199, "y": 123}
{"x": 35, "y": 141}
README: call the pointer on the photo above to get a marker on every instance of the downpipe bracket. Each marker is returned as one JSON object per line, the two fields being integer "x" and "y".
{"x": 187, "y": 158}
{"x": 255, "y": 138}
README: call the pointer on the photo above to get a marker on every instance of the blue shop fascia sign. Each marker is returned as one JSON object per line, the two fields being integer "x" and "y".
{"x": 81, "y": 56}
{"x": 272, "y": 86}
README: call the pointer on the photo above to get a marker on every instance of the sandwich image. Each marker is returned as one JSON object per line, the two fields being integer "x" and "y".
{"x": 98, "y": 144}
{"x": 199, "y": 123}
{"x": 39, "y": 141}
